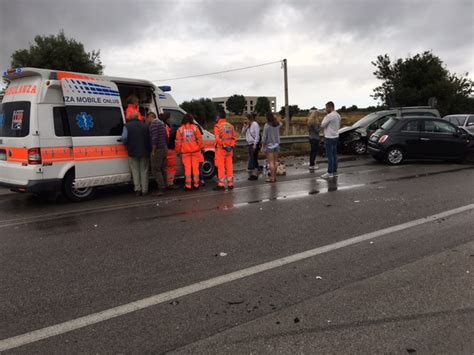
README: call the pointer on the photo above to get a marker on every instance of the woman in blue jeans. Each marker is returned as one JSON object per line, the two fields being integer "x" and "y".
{"x": 271, "y": 144}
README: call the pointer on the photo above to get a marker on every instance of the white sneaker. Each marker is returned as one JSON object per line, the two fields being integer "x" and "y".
{"x": 327, "y": 176}
{"x": 313, "y": 167}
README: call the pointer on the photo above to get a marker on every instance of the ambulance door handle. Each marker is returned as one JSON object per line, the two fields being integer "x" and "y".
{"x": 119, "y": 140}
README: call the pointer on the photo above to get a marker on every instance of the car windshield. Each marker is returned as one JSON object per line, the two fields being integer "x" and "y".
{"x": 365, "y": 121}
{"x": 389, "y": 124}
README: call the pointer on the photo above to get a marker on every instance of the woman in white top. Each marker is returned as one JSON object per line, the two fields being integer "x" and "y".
{"x": 252, "y": 135}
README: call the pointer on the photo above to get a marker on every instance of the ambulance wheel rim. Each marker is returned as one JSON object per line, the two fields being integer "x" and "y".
{"x": 81, "y": 192}
{"x": 207, "y": 167}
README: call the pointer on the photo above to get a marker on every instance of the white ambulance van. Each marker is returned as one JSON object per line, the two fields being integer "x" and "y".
{"x": 62, "y": 130}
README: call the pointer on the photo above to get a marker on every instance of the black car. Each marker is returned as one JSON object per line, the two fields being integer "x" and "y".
{"x": 354, "y": 139}
{"x": 420, "y": 138}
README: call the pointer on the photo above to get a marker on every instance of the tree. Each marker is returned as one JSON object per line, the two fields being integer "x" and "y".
{"x": 203, "y": 109}
{"x": 294, "y": 109}
{"x": 60, "y": 53}
{"x": 236, "y": 104}
{"x": 416, "y": 80}
{"x": 262, "y": 106}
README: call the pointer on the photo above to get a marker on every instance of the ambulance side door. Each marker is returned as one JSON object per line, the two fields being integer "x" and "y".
{"x": 96, "y": 120}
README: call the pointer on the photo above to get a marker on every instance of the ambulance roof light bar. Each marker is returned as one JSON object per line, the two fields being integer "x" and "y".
{"x": 165, "y": 88}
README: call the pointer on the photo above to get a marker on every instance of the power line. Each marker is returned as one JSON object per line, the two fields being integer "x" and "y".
{"x": 219, "y": 72}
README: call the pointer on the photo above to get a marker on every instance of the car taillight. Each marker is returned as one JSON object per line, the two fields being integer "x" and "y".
{"x": 383, "y": 139}
{"x": 34, "y": 156}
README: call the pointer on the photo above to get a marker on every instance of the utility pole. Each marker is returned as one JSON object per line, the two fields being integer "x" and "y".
{"x": 287, "y": 108}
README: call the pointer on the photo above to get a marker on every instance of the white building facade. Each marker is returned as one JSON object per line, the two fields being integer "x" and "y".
{"x": 250, "y": 102}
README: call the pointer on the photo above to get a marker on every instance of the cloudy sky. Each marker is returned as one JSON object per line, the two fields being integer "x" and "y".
{"x": 329, "y": 44}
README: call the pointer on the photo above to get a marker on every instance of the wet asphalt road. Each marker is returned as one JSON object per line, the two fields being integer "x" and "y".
{"x": 403, "y": 292}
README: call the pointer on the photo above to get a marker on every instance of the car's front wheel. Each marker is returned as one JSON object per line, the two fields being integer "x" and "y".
{"x": 76, "y": 194}
{"x": 209, "y": 166}
{"x": 359, "y": 147}
{"x": 394, "y": 156}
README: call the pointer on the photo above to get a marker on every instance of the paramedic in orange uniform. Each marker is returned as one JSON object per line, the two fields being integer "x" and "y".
{"x": 171, "y": 157}
{"x": 226, "y": 138}
{"x": 189, "y": 144}
{"x": 133, "y": 106}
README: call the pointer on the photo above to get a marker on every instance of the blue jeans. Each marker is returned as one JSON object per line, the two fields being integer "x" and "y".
{"x": 331, "y": 153}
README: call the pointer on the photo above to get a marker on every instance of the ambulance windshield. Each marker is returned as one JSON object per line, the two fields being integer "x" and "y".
{"x": 15, "y": 119}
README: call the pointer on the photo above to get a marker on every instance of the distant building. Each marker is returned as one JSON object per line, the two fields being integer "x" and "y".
{"x": 250, "y": 102}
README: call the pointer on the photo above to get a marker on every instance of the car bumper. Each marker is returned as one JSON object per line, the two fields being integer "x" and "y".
{"x": 375, "y": 151}
{"x": 35, "y": 186}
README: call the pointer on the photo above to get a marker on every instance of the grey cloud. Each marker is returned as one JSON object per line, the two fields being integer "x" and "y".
{"x": 97, "y": 24}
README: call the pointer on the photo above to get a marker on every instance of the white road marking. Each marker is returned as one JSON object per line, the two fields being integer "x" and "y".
{"x": 61, "y": 328}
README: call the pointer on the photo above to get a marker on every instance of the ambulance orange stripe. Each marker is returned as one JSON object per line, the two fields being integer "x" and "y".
{"x": 68, "y": 75}
{"x": 64, "y": 154}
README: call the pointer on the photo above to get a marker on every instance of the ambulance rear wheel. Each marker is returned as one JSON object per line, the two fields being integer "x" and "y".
{"x": 209, "y": 167}
{"x": 76, "y": 194}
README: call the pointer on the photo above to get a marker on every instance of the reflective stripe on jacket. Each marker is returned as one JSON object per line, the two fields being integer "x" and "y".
{"x": 225, "y": 134}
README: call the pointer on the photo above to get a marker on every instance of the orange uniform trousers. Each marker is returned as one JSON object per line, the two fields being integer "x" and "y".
{"x": 191, "y": 168}
{"x": 225, "y": 167}
{"x": 170, "y": 166}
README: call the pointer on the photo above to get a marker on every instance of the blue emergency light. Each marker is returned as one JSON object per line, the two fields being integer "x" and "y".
{"x": 165, "y": 88}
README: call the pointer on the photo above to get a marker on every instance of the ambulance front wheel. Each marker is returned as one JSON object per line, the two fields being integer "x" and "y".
{"x": 76, "y": 194}
{"x": 209, "y": 167}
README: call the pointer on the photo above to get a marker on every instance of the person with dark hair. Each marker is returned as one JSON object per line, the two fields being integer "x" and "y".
{"x": 171, "y": 155}
{"x": 314, "y": 126}
{"x": 136, "y": 137}
{"x": 271, "y": 144}
{"x": 159, "y": 150}
{"x": 226, "y": 139}
{"x": 189, "y": 144}
{"x": 251, "y": 129}
{"x": 331, "y": 124}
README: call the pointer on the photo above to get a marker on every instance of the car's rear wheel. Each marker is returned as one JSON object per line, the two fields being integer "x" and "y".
{"x": 359, "y": 147}
{"x": 209, "y": 169}
{"x": 76, "y": 194}
{"x": 394, "y": 156}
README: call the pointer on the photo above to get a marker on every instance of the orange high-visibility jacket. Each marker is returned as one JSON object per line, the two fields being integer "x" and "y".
{"x": 225, "y": 134}
{"x": 133, "y": 108}
{"x": 189, "y": 139}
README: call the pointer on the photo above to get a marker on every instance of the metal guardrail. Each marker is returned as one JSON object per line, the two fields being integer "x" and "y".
{"x": 241, "y": 142}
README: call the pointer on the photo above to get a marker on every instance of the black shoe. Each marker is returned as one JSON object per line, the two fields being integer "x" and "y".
{"x": 253, "y": 177}
{"x": 231, "y": 187}
{"x": 218, "y": 188}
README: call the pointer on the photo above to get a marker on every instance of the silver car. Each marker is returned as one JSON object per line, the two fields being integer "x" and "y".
{"x": 465, "y": 121}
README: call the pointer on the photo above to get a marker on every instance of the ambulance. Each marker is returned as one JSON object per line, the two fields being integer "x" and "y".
{"x": 61, "y": 131}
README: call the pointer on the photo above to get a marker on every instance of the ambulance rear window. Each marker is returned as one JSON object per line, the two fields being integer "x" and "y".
{"x": 15, "y": 119}
{"x": 94, "y": 121}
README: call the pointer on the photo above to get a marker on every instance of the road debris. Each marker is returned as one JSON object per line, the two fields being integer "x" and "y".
{"x": 319, "y": 278}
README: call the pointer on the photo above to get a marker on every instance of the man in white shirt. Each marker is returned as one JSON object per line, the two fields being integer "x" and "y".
{"x": 331, "y": 124}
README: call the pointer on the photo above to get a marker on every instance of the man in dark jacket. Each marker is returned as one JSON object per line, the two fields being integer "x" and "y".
{"x": 136, "y": 136}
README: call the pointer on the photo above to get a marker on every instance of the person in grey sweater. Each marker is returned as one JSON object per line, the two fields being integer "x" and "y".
{"x": 314, "y": 127}
{"x": 271, "y": 144}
